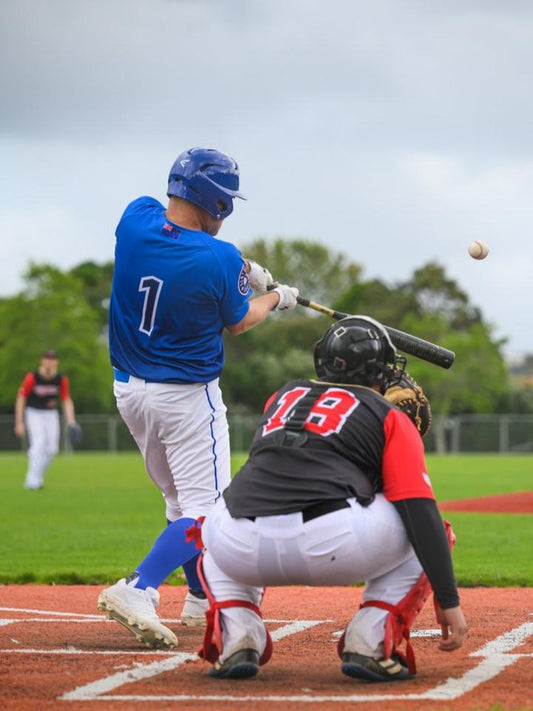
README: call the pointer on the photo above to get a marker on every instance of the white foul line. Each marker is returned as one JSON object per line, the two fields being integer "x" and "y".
{"x": 495, "y": 658}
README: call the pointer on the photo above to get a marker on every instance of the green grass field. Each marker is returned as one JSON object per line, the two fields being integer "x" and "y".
{"x": 99, "y": 514}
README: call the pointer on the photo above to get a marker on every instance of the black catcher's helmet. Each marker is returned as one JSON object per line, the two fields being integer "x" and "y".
{"x": 357, "y": 350}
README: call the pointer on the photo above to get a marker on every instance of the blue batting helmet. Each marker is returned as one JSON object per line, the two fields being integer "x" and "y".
{"x": 207, "y": 178}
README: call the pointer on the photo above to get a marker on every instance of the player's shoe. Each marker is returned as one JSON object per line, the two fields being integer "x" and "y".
{"x": 194, "y": 609}
{"x": 135, "y": 609}
{"x": 240, "y": 665}
{"x": 359, "y": 666}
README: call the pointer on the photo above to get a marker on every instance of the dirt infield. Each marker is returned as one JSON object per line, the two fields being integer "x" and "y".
{"x": 521, "y": 502}
{"x": 58, "y": 652}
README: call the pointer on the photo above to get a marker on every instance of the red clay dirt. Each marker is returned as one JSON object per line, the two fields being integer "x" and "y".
{"x": 58, "y": 652}
{"x": 520, "y": 502}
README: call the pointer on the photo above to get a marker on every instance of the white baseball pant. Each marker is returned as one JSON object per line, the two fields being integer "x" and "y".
{"x": 352, "y": 545}
{"x": 183, "y": 435}
{"x": 43, "y": 431}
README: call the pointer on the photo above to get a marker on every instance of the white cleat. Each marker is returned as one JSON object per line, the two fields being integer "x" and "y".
{"x": 194, "y": 609}
{"x": 135, "y": 609}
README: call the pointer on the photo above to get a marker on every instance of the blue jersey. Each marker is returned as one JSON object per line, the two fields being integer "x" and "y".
{"x": 173, "y": 292}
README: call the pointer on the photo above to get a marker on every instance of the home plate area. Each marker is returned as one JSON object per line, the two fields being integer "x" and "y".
{"x": 57, "y": 651}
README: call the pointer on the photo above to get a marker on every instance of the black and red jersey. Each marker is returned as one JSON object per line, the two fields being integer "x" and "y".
{"x": 351, "y": 443}
{"x": 320, "y": 441}
{"x": 44, "y": 393}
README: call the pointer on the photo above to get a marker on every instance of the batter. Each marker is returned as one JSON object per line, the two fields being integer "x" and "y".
{"x": 176, "y": 287}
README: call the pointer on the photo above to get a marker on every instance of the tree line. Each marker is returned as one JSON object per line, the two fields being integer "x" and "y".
{"x": 68, "y": 311}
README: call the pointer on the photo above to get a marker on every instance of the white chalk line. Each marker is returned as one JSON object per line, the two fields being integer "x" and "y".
{"x": 51, "y": 613}
{"x": 291, "y": 627}
{"x": 495, "y": 658}
{"x": 159, "y": 652}
{"x": 453, "y": 688}
{"x": 73, "y": 617}
{"x": 414, "y": 633}
{"x": 94, "y": 690}
{"x": 91, "y": 652}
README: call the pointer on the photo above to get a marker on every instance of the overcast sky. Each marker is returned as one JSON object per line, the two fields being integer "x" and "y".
{"x": 393, "y": 131}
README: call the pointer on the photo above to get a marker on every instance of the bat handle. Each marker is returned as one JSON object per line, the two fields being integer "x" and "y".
{"x": 321, "y": 309}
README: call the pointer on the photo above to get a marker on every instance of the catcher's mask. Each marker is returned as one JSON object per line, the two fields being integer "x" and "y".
{"x": 358, "y": 350}
{"x": 207, "y": 178}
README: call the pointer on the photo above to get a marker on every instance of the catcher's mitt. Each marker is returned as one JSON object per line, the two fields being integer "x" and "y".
{"x": 74, "y": 434}
{"x": 409, "y": 397}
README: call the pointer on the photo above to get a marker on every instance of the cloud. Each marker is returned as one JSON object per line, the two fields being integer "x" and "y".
{"x": 51, "y": 225}
{"x": 395, "y": 131}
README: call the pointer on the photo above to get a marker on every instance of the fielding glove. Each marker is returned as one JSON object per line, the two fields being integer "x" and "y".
{"x": 407, "y": 395}
{"x": 74, "y": 434}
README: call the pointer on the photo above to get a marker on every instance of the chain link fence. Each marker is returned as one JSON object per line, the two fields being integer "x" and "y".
{"x": 504, "y": 434}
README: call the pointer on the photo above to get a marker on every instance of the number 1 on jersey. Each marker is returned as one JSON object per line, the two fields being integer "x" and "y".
{"x": 151, "y": 286}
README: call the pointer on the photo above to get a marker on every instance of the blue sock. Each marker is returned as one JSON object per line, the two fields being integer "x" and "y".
{"x": 191, "y": 573}
{"x": 190, "y": 568}
{"x": 170, "y": 551}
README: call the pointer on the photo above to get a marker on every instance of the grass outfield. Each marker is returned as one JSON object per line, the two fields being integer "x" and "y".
{"x": 99, "y": 514}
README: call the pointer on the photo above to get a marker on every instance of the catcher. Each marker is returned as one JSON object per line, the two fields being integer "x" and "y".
{"x": 334, "y": 492}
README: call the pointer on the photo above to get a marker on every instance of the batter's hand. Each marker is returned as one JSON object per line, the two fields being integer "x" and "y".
{"x": 287, "y": 297}
{"x": 260, "y": 278}
{"x": 20, "y": 430}
{"x": 453, "y": 626}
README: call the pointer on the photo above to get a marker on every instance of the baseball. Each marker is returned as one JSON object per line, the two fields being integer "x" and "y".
{"x": 478, "y": 249}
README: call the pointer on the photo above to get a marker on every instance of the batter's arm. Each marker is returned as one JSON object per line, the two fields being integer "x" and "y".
{"x": 259, "y": 308}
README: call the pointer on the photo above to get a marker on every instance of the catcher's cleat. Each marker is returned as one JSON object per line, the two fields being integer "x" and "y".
{"x": 240, "y": 665}
{"x": 135, "y": 609}
{"x": 194, "y": 609}
{"x": 359, "y": 666}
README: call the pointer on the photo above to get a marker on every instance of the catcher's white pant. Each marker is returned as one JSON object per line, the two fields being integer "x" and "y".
{"x": 182, "y": 433}
{"x": 43, "y": 429}
{"x": 352, "y": 545}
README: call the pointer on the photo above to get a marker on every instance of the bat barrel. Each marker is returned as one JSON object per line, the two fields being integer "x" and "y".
{"x": 425, "y": 350}
{"x": 412, "y": 345}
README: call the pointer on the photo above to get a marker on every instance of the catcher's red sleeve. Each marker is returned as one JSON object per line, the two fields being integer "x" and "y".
{"x": 404, "y": 467}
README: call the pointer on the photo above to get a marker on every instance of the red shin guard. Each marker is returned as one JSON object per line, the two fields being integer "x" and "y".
{"x": 401, "y": 616}
{"x": 213, "y": 645}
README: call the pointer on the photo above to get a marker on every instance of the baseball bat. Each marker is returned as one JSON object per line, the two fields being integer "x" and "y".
{"x": 406, "y": 342}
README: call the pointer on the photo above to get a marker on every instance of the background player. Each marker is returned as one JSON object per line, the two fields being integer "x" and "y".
{"x": 335, "y": 492}
{"x": 175, "y": 289}
{"x": 36, "y": 412}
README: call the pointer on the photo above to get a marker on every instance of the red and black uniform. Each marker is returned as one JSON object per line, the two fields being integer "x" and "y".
{"x": 44, "y": 393}
{"x": 320, "y": 441}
